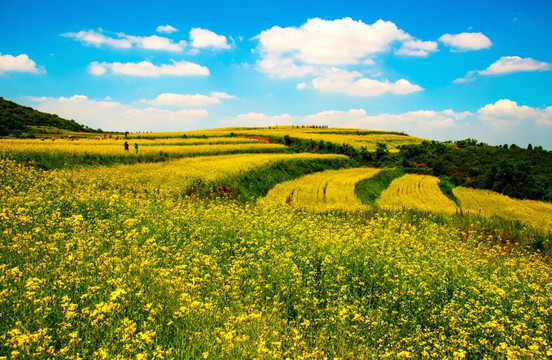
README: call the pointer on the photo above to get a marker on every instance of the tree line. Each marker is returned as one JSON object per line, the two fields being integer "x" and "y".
{"x": 522, "y": 173}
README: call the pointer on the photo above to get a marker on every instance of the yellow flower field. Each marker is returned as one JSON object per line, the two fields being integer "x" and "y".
{"x": 148, "y": 148}
{"x": 335, "y": 135}
{"x": 418, "y": 192}
{"x": 327, "y": 190}
{"x": 92, "y": 273}
{"x": 177, "y": 177}
{"x": 490, "y": 204}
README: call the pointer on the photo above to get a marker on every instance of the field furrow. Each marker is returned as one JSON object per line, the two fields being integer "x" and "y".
{"x": 327, "y": 190}
{"x": 63, "y": 153}
{"x": 490, "y": 204}
{"x": 180, "y": 176}
{"x": 418, "y": 192}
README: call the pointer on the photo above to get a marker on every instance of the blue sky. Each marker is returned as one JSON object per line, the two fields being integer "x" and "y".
{"x": 434, "y": 69}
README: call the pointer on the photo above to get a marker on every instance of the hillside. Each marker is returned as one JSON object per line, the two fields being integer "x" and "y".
{"x": 227, "y": 248}
{"x": 25, "y": 122}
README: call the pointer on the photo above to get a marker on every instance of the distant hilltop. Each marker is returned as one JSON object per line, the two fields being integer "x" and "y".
{"x": 25, "y": 122}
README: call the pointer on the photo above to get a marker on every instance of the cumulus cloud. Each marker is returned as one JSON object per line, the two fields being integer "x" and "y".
{"x": 320, "y": 49}
{"x": 507, "y": 113}
{"x": 166, "y": 29}
{"x": 511, "y": 64}
{"x": 171, "y": 99}
{"x": 96, "y": 38}
{"x": 507, "y": 65}
{"x": 223, "y": 95}
{"x": 466, "y": 41}
{"x": 112, "y": 115}
{"x": 155, "y": 42}
{"x": 123, "y": 41}
{"x": 336, "y": 42}
{"x": 147, "y": 69}
{"x": 203, "y": 38}
{"x": 19, "y": 63}
{"x": 276, "y": 66}
{"x": 354, "y": 84}
{"x": 417, "y": 48}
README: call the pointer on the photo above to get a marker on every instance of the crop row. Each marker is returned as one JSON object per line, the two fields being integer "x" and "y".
{"x": 59, "y": 154}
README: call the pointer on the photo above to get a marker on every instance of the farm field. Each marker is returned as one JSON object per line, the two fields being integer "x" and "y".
{"x": 490, "y": 204}
{"x": 327, "y": 190}
{"x": 421, "y": 192}
{"x": 418, "y": 192}
{"x": 65, "y": 153}
{"x": 202, "y": 257}
{"x": 183, "y": 176}
{"x": 357, "y": 139}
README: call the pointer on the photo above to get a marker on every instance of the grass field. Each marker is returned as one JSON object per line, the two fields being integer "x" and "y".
{"x": 172, "y": 260}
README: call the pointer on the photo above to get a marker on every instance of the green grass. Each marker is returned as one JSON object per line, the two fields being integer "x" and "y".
{"x": 256, "y": 183}
{"x": 370, "y": 190}
{"x": 446, "y": 187}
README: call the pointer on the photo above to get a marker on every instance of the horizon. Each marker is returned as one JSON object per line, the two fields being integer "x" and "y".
{"x": 437, "y": 71}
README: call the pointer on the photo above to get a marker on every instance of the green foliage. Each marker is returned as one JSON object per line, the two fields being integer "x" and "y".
{"x": 257, "y": 183}
{"x": 17, "y": 121}
{"x": 510, "y": 170}
{"x": 446, "y": 187}
{"x": 369, "y": 190}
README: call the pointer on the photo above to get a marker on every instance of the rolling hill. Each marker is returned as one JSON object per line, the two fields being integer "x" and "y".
{"x": 25, "y": 122}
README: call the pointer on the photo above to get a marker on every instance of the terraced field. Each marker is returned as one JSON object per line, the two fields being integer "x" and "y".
{"x": 182, "y": 176}
{"x": 168, "y": 260}
{"x": 327, "y": 190}
{"x": 418, "y": 192}
{"x": 62, "y": 153}
{"x": 490, "y": 204}
{"x": 357, "y": 139}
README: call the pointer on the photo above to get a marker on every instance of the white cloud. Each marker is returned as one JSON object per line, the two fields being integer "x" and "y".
{"x": 166, "y": 29}
{"x": 276, "y": 66}
{"x": 506, "y": 113}
{"x": 123, "y": 41}
{"x": 202, "y": 38}
{"x": 511, "y": 64}
{"x": 112, "y": 115}
{"x": 337, "y": 42}
{"x": 319, "y": 48}
{"x": 146, "y": 68}
{"x": 466, "y": 41}
{"x": 353, "y": 83}
{"x": 155, "y": 42}
{"x": 417, "y": 48}
{"x": 507, "y": 65}
{"x": 93, "y": 37}
{"x": 503, "y": 121}
{"x": 19, "y": 63}
{"x": 97, "y": 69}
{"x": 223, "y": 95}
{"x": 183, "y": 100}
